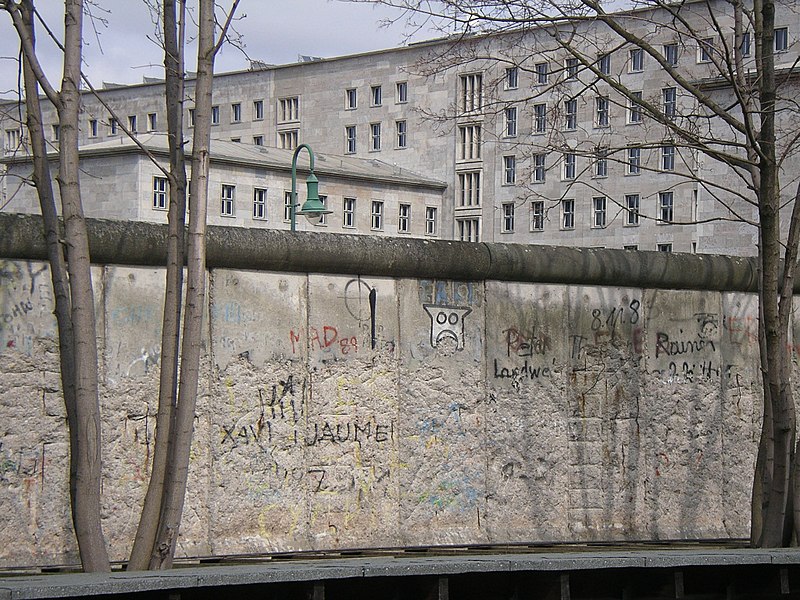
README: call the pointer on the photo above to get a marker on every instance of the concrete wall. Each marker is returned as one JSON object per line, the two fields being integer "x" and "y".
{"x": 441, "y": 409}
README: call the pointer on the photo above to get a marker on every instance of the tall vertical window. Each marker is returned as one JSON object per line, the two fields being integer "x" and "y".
{"x": 227, "y": 197}
{"x": 671, "y": 54}
{"x": 191, "y": 117}
{"x": 323, "y": 218}
{"x": 471, "y": 96}
{"x": 375, "y": 136}
{"x": 214, "y": 115}
{"x": 569, "y": 166}
{"x": 404, "y": 218}
{"x": 601, "y": 111}
{"x": 377, "y": 215}
{"x": 469, "y": 188}
{"x": 571, "y": 114}
{"x": 160, "y": 193}
{"x": 113, "y": 126}
{"x": 744, "y": 46}
{"x": 601, "y": 162}
{"x": 350, "y": 139}
{"x": 259, "y": 203}
{"x": 402, "y": 133}
{"x": 258, "y": 110}
{"x": 636, "y": 60}
{"x": 288, "y": 203}
{"x": 350, "y": 98}
{"x": 539, "y": 118}
{"x": 634, "y": 160}
{"x": 512, "y": 78}
{"x": 665, "y": 206}
{"x": 132, "y": 123}
{"x": 670, "y": 102}
{"x": 507, "y": 226}
{"x": 568, "y": 214}
{"x": 430, "y": 220}
{"x": 288, "y": 139}
{"x": 781, "y": 39}
{"x": 599, "y": 211}
{"x": 539, "y": 170}
{"x": 236, "y": 112}
{"x": 705, "y": 50}
{"x": 376, "y": 95}
{"x": 542, "y": 71}
{"x": 56, "y": 132}
{"x": 668, "y": 158}
{"x": 604, "y": 64}
{"x": 288, "y": 109}
{"x": 402, "y": 92}
{"x": 469, "y": 142}
{"x": 509, "y": 170}
{"x": 511, "y": 121}
{"x": 152, "y": 121}
{"x": 93, "y": 128}
{"x": 537, "y": 215}
{"x": 635, "y": 107}
{"x": 469, "y": 229}
{"x": 12, "y": 140}
{"x": 571, "y": 68}
{"x": 631, "y": 209}
{"x": 349, "y": 212}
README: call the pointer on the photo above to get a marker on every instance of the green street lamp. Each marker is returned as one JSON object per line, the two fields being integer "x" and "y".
{"x": 313, "y": 208}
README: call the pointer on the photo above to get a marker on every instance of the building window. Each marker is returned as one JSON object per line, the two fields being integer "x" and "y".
{"x": 236, "y": 139}
{"x": 214, "y": 115}
{"x": 568, "y": 214}
{"x": 599, "y": 211}
{"x": 469, "y": 229}
{"x": 152, "y": 121}
{"x": 671, "y": 54}
{"x": 542, "y": 70}
{"x": 512, "y": 78}
{"x": 632, "y": 209}
{"x": 509, "y": 170}
{"x": 670, "y": 98}
{"x": 227, "y": 206}
{"x": 665, "y": 206}
{"x": 113, "y": 126}
{"x": 634, "y": 160}
{"x": 288, "y": 109}
{"x": 705, "y": 50}
{"x": 539, "y": 118}
{"x": 376, "y": 95}
{"x": 191, "y": 117}
{"x": 160, "y": 193}
{"x": 401, "y": 128}
{"x": 635, "y": 107}
{"x": 569, "y": 166}
{"x": 132, "y": 123}
{"x": 93, "y": 128}
{"x": 375, "y": 136}
{"x": 258, "y": 110}
{"x": 287, "y": 206}
{"x": 571, "y": 68}
{"x": 402, "y": 92}
{"x": 744, "y": 47}
{"x": 631, "y": 247}
{"x": 236, "y": 112}
{"x": 537, "y": 215}
{"x": 604, "y": 64}
{"x": 258, "y": 140}
{"x": 664, "y": 247}
{"x": 349, "y": 212}
{"x": 377, "y": 215}
{"x": 571, "y": 114}
{"x": 259, "y": 203}
{"x": 507, "y": 226}
{"x": 471, "y": 92}
{"x": 601, "y": 113}
{"x": 323, "y": 218}
{"x": 511, "y": 121}
{"x": 539, "y": 170}
{"x": 56, "y": 132}
{"x": 469, "y": 188}
{"x": 430, "y": 220}
{"x": 781, "y": 39}
{"x": 601, "y": 162}
{"x": 469, "y": 142}
{"x": 668, "y": 158}
{"x": 636, "y": 60}
{"x": 288, "y": 139}
{"x": 350, "y": 98}
{"x": 404, "y": 218}
{"x": 350, "y": 139}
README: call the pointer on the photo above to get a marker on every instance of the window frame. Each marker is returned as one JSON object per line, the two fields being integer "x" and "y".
{"x": 632, "y": 209}
{"x": 260, "y": 204}
{"x": 374, "y": 137}
{"x": 431, "y": 213}
{"x": 376, "y": 215}
{"x": 258, "y": 110}
{"x": 401, "y": 131}
{"x": 349, "y": 212}
{"x": 635, "y": 112}
{"x": 401, "y": 91}
{"x": 376, "y": 95}
{"x": 666, "y": 207}
{"x": 540, "y": 118}
{"x": 350, "y": 146}
{"x": 781, "y": 39}
{"x": 404, "y": 218}
{"x": 670, "y": 52}
{"x": 567, "y": 214}
{"x": 602, "y": 111}
{"x": 228, "y": 200}
{"x": 569, "y": 170}
{"x": 510, "y": 115}
{"x": 539, "y": 169}
{"x": 571, "y": 114}
{"x": 510, "y": 169}
{"x": 668, "y": 157}
{"x": 160, "y": 193}
{"x": 215, "y": 114}
{"x": 512, "y": 78}
{"x": 669, "y": 99}
{"x": 634, "y": 160}
{"x": 599, "y": 212}
{"x": 542, "y": 70}
{"x": 537, "y": 215}
{"x": 351, "y": 99}
{"x": 236, "y": 112}
{"x": 469, "y": 188}
{"x": 507, "y": 217}
{"x": 635, "y": 60}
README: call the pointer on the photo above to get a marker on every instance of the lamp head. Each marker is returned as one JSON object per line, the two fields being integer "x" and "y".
{"x": 313, "y": 208}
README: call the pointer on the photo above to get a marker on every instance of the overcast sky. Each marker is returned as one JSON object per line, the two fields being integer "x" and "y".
{"x": 274, "y": 31}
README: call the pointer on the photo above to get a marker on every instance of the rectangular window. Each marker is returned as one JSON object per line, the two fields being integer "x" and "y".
{"x": 469, "y": 142}
{"x": 287, "y": 206}
{"x": 152, "y": 121}
{"x": 671, "y": 54}
{"x": 667, "y": 158}
{"x": 375, "y": 136}
{"x": 236, "y": 112}
{"x": 323, "y": 218}
{"x": 601, "y": 162}
{"x": 288, "y": 139}
{"x": 665, "y": 206}
{"x": 568, "y": 214}
{"x": 507, "y": 225}
{"x": 402, "y": 140}
{"x": 670, "y": 101}
{"x": 56, "y": 132}
{"x": 781, "y": 39}
{"x": 430, "y": 220}
{"x": 599, "y": 211}
{"x": 469, "y": 230}
{"x": 376, "y": 95}
{"x": 631, "y": 247}
{"x": 539, "y": 118}
{"x": 635, "y": 108}
{"x": 349, "y": 212}
{"x": 132, "y": 123}
{"x": 634, "y": 160}
{"x": 539, "y": 171}
{"x": 569, "y": 166}
{"x": 259, "y": 203}
{"x": 404, "y": 218}
{"x": 604, "y": 64}
{"x": 509, "y": 170}
{"x": 632, "y": 209}
{"x": 571, "y": 114}
{"x": 227, "y": 197}
{"x": 215, "y": 115}
{"x": 377, "y": 215}
{"x": 160, "y": 193}
{"x": 664, "y": 247}
{"x": 571, "y": 68}
{"x": 402, "y": 92}
{"x": 258, "y": 110}
{"x": 93, "y": 128}
{"x": 350, "y": 139}
{"x": 469, "y": 188}
{"x": 537, "y": 215}
{"x": 288, "y": 109}
{"x": 113, "y": 126}
{"x": 744, "y": 47}
{"x": 601, "y": 111}
{"x": 471, "y": 96}
{"x": 705, "y": 50}
{"x": 512, "y": 78}
{"x": 636, "y": 60}
{"x": 542, "y": 71}
{"x": 191, "y": 117}
{"x": 350, "y": 98}
{"x": 511, "y": 121}
{"x": 258, "y": 140}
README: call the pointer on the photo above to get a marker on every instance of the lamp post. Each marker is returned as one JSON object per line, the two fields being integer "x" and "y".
{"x": 313, "y": 208}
